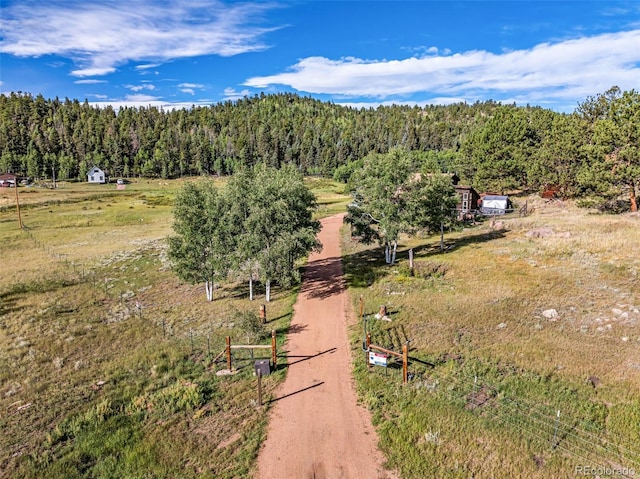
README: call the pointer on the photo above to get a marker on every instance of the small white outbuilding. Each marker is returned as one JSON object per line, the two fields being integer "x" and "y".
{"x": 96, "y": 175}
{"x": 495, "y": 205}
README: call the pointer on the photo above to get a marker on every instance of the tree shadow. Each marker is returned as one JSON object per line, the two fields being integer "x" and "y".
{"x": 291, "y": 329}
{"x": 364, "y": 268}
{"x": 450, "y": 245}
{"x": 367, "y": 266}
{"x": 323, "y": 278}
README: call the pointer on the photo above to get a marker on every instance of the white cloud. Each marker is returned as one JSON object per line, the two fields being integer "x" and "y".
{"x": 232, "y": 94}
{"x": 147, "y": 66}
{"x": 91, "y": 72}
{"x": 146, "y": 86}
{"x": 421, "y": 103}
{"x": 142, "y": 103}
{"x": 569, "y": 69}
{"x": 141, "y": 98}
{"x": 100, "y": 36}
{"x": 190, "y": 88}
{"x": 89, "y": 82}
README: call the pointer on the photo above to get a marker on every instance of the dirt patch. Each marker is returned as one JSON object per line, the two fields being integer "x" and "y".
{"x": 316, "y": 427}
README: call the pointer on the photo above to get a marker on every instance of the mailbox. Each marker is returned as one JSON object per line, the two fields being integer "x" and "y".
{"x": 263, "y": 367}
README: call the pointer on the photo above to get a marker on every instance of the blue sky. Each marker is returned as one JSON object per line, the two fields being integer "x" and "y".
{"x": 178, "y": 53}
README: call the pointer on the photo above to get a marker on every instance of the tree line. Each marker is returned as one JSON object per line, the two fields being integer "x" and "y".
{"x": 591, "y": 152}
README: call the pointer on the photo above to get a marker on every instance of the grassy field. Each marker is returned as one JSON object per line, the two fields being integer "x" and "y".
{"x": 107, "y": 359}
{"x": 524, "y": 346}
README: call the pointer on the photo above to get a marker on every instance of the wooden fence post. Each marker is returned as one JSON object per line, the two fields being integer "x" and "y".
{"x": 229, "y": 353}
{"x": 405, "y": 361}
{"x": 273, "y": 348}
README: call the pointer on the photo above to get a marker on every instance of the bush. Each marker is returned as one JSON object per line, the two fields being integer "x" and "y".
{"x": 429, "y": 269}
{"x": 611, "y": 206}
{"x": 250, "y": 324}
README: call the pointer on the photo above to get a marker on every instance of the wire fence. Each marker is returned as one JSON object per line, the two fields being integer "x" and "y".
{"x": 545, "y": 427}
{"x": 202, "y": 340}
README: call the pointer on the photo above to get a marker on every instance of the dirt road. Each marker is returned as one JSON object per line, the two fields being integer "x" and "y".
{"x": 316, "y": 429}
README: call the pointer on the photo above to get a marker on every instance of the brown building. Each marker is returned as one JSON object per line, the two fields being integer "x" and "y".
{"x": 8, "y": 180}
{"x": 468, "y": 201}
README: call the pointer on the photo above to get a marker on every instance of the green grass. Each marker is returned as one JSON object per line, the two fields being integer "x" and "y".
{"x": 489, "y": 370}
{"x": 106, "y": 358}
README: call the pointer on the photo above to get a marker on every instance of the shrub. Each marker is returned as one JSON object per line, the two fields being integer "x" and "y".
{"x": 250, "y": 324}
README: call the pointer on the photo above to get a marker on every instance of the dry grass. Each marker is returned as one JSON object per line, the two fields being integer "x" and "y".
{"x": 551, "y": 299}
{"x": 100, "y": 344}
{"x": 105, "y": 356}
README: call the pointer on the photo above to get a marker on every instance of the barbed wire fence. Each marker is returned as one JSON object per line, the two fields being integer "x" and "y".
{"x": 195, "y": 337}
{"x": 547, "y": 428}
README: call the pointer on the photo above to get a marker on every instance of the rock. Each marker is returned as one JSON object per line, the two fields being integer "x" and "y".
{"x": 539, "y": 233}
{"x": 550, "y": 314}
{"x": 501, "y": 326}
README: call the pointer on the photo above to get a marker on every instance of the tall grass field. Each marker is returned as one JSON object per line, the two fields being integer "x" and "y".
{"x": 107, "y": 361}
{"x": 524, "y": 346}
{"x": 523, "y": 335}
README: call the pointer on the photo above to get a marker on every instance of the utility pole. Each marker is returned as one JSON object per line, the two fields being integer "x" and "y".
{"x": 18, "y": 203}
{"x": 441, "y": 227}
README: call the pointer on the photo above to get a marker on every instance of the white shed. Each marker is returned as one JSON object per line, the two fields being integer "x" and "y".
{"x": 96, "y": 175}
{"x": 495, "y": 205}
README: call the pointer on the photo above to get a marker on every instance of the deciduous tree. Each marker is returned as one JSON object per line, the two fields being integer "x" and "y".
{"x": 273, "y": 210}
{"x": 202, "y": 247}
{"x": 390, "y": 198}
